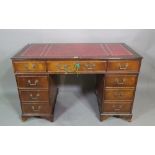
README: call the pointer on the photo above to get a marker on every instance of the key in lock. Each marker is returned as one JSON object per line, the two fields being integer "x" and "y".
{"x": 77, "y": 67}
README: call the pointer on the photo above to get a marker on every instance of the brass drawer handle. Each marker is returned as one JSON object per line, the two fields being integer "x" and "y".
{"x": 90, "y": 66}
{"x": 33, "y": 84}
{"x": 123, "y": 66}
{"x": 120, "y": 82}
{"x": 119, "y": 94}
{"x": 117, "y": 109}
{"x": 34, "y": 97}
{"x": 32, "y": 67}
{"x": 36, "y": 109}
{"x": 117, "y": 106}
{"x": 61, "y": 67}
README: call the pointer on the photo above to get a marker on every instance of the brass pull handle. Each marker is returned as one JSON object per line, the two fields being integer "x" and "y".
{"x": 123, "y": 67}
{"x": 34, "y": 97}
{"x": 120, "y": 82}
{"x": 32, "y": 84}
{"x": 32, "y": 67}
{"x": 90, "y": 66}
{"x": 117, "y": 106}
{"x": 117, "y": 109}
{"x": 36, "y": 109}
{"x": 119, "y": 94}
{"x": 61, "y": 67}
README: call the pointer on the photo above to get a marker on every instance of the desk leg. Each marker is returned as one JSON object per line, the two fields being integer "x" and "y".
{"x": 50, "y": 118}
{"x": 127, "y": 118}
{"x": 103, "y": 117}
{"x": 24, "y": 118}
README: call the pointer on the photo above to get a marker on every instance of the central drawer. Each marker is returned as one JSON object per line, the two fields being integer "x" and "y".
{"x": 34, "y": 95}
{"x": 76, "y": 66}
{"x": 119, "y": 94}
{"x": 26, "y": 81}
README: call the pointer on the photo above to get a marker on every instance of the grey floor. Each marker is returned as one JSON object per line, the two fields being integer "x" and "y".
{"x": 77, "y": 107}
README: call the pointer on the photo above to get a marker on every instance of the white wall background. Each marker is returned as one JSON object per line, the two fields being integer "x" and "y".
{"x": 142, "y": 41}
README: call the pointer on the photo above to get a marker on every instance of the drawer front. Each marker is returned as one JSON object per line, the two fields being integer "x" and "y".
{"x": 119, "y": 94}
{"x": 36, "y": 108}
{"x": 32, "y": 81}
{"x": 29, "y": 66}
{"x": 34, "y": 95}
{"x": 123, "y": 65}
{"x": 117, "y": 107}
{"x": 76, "y": 66}
{"x": 120, "y": 80}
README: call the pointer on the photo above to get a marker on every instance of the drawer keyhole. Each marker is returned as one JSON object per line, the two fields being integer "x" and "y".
{"x": 61, "y": 67}
{"x": 77, "y": 67}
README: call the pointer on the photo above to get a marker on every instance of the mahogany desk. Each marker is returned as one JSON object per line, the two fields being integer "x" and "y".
{"x": 115, "y": 65}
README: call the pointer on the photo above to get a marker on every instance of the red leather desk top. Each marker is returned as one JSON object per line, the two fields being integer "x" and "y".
{"x": 76, "y": 50}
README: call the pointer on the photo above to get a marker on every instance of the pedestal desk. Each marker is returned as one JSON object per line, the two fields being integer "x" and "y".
{"x": 115, "y": 65}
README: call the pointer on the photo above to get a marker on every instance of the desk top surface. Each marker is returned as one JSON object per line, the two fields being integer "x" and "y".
{"x": 77, "y": 51}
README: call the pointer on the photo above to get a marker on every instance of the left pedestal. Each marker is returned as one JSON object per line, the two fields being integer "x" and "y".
{"x": 37, "y": 89}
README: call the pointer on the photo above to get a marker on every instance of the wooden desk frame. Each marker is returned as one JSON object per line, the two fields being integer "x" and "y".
{"x": 115, "y": 88}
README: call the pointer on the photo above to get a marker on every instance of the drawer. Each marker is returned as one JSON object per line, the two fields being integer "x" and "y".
{"x": 36, "y": 109}
{"x": 120, "y": 80}
{"x": 123, "y": 65}
{"x": 32, "y": 81}
{"x": 29, "y": 66}
{"x": 119, "y": 94}
{"x": 117, "y": 107}
{"x": 76, "y": 66}
{"x": 34, "y": 95}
